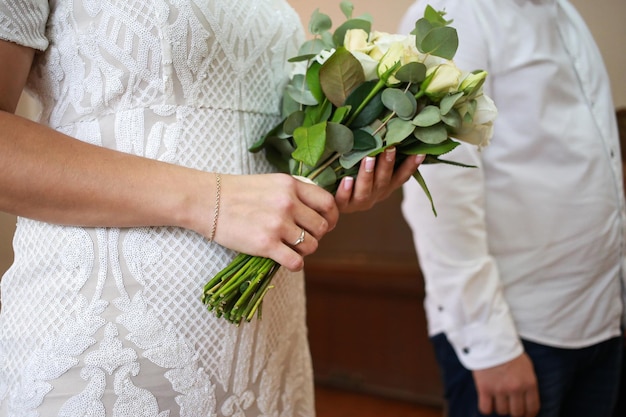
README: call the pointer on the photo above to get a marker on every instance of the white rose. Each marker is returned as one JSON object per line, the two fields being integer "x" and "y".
{"x": 445, "y": 78}
{"x": 355, "y": 40}
{"x": 478, "y": 135}
{"x": 393, "y": 56}
{"x": 384, "y": 40}
{"x": 400, "y": 49}
{"x": 486, "y": 110}
{"x": 480, "y": 131}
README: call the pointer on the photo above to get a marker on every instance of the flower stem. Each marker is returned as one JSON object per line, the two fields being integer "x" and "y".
{"x": 379, "y": 85}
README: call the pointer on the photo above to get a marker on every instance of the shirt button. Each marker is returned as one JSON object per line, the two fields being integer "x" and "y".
{"x": 466, "y": 350}
{"x": 440, "y": 308}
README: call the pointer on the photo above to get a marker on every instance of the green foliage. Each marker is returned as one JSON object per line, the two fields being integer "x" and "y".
{"x": 334, "y": 117}
{"x": 434, "y": 36}
{"x": 335, "y": 114}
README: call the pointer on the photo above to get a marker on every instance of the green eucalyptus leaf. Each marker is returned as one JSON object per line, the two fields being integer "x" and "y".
{"x": 340, "y": 114}
{"x": 311, "y": 48}
{"x": 340, "y": 75}
{"x": 356, "y": 23}
{"x": 298, "y": 90}
{"x": 339, "y": 138}
{"x": 293, "y": 121}
{"x": 453, "y": 119}
{"x": 351, "y": 159}
{"x": 398, "y": 101}
{"x": 435, "y": 17}
{"x": 289, "y": 105}
{"x": 327, "y": 38}
{"x": 429, "y": 116}
{"x": 422, "y": 28}
{"x": 300, "y": 58}
{"x": 441, "y": 41}
{"x": 413, "y": 72}
{"x": 346, "y": 8}
{"x": 448, "y": 102}
{"x": 421, "y": 148}
{"x": 277, "y": 160}
{"x": 283, "y": 146}
{"x": 310, "y": 143}
{"x": 397, "y": 131}
{"x": 431, "y": 134}
{"x": 361, "y": 137}
{"x": 277, "y": 131}
{"x": 319, "y": 23}
{"x": 326, "y": 179}
{"x": 371, "y": 111}
{"x": 313, "y": 81}
{"x": 364, "y": 141}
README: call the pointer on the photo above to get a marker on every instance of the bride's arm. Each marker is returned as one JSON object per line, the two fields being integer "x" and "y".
{"x": 49, "y": 176}
{"x": 52, "y": 177}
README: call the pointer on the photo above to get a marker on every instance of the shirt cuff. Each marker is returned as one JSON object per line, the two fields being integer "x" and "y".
{"x": 485, "y": 345}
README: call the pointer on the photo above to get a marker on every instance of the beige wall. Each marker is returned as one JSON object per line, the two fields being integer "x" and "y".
{"x": 604, "y": 17}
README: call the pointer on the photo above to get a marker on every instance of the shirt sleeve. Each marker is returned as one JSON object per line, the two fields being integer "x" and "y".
{"x": 24, "y": 22}
{"x": 464, "y": 293}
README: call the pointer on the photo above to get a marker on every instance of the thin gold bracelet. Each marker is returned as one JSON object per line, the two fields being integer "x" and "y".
{"x": 216, "y": 212}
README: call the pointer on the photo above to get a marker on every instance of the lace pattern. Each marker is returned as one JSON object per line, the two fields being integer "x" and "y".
{"x": 108, "y": 322}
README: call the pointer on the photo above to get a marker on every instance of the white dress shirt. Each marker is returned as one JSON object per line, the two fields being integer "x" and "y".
{"x": 530, "y": 243}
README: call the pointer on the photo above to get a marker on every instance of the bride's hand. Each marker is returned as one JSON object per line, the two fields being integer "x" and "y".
{"x": 264, "y": 215}
{"x": 375, "y": 181}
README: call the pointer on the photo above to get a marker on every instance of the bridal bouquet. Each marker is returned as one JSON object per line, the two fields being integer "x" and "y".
{"x": 355, "y": 92}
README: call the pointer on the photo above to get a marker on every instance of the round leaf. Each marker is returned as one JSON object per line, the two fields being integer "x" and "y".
{"x": 432, "y": 134}
{"x": 293, "y": 121}
{"x": 339, "y": 138}
{"x": 413, "y": 72}
{"x": 441, "y": 41}
{"x": 364, "y": 141}
{"x": 448, "y": 102}
{"x": 429, "y": 116}
{"x": 312, "y": 47}
{"x": 299, "y": 91}
{"x": 452, "y": 119}
{"x": 346, "y": 8}
{"x": 397, "y": 131}
{"x": 396, "y": 100}
{"x": 319, "y": 23}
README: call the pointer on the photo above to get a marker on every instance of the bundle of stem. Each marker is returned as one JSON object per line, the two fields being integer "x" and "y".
{"x": 236, "y": 293}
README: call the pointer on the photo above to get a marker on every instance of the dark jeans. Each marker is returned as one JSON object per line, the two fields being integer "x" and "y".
{"x": 572, "y": 382}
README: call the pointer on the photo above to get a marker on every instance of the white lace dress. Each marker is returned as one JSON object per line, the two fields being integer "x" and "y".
{"x": 109, "y": 322}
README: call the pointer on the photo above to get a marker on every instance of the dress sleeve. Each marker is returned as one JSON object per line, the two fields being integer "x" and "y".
{"x": 24, "y": 22}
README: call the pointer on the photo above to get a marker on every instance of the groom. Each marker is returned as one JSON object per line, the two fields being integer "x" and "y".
{"x": 523, "y": 265}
